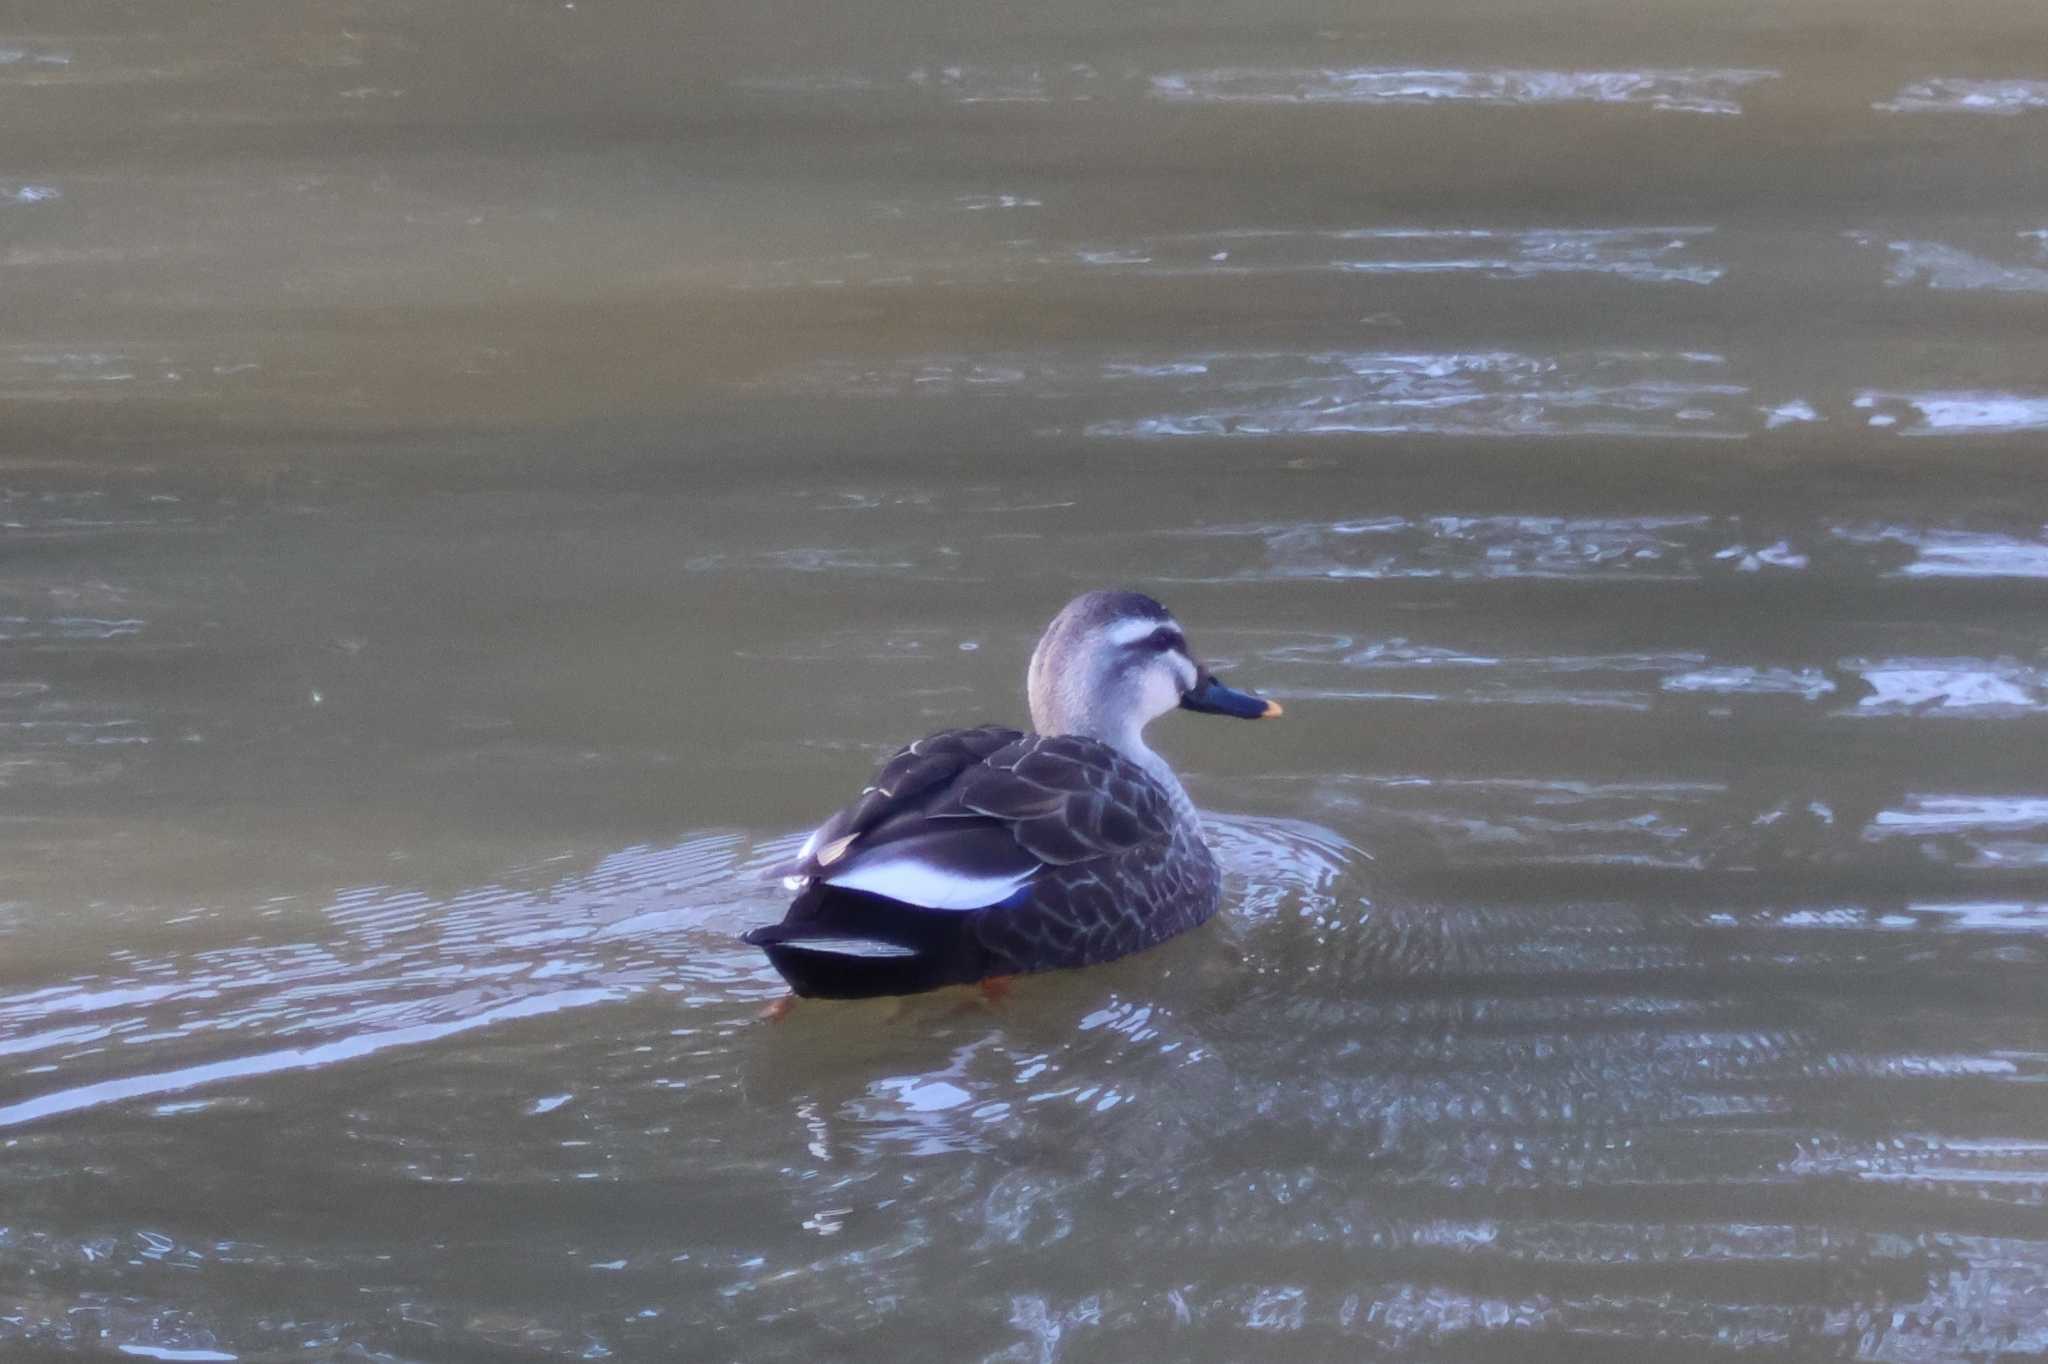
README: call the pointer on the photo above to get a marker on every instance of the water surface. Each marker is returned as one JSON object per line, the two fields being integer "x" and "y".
{"x": 478, "y": 481}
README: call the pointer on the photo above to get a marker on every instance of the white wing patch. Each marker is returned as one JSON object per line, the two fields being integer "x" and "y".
{"x": 835, "y": 850}
{"x": 854, "y": 947}
{"x": 922, "y": 884}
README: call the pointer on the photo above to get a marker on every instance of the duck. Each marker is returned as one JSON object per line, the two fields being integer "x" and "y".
{"x": 979, "y": 854}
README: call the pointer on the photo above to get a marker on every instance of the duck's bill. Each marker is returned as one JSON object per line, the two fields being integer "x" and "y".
{"x": 1211, "y": 697}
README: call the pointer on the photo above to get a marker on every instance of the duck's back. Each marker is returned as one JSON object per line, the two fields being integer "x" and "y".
{"x": 988, "y": 851}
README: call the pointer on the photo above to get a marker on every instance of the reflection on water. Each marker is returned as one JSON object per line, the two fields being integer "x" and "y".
{"x": 477, "y": 479}
{"x": 1640, "y": 394}
{"x": 1695, "y": 91}
{"x": 1937, "y": 265}
{"x": 1647, "y": 255}
{"x": 1275, "y": 393}
{"x": 1685, "y": 91}
{"x": 1966, "y": 95}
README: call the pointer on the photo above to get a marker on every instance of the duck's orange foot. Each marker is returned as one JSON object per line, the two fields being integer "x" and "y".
{"x": 778, "y": 1010}
{"x": 996, "y": 989}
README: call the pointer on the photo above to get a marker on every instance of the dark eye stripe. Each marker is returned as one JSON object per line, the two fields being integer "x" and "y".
{"x": 1165, "y": 639}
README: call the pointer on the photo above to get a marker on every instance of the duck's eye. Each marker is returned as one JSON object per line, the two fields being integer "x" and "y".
{"x": 1167, "y": 639}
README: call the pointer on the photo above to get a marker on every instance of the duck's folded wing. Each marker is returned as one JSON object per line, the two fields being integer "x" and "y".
{"x": 973, "y": 835}
{"x": 1066, "y": 799}
{"x": 903, "y": 785}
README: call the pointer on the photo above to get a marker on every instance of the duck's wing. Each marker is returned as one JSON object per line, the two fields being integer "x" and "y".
{"x": 905, "y": 783}
{"x": 964, "y": 819}
{"x": 1067, "y": 799}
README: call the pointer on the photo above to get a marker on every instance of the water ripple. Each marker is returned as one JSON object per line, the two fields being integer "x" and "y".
{"x": 1637, "y": 255}
{"x": 1967, "y": 95}
{"x": 1940, "y": 266}
{"x": 1694, "y": 90}
{"x": 407, "y": 969}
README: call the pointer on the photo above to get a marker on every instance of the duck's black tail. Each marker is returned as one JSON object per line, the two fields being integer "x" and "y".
{"x": 848, "y": 944}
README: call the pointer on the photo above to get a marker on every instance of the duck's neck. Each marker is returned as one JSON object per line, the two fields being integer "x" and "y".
{"x": 1129, "y": 740}
{"x": 1057, "y": 710}
{"x": 1132, "y": 746}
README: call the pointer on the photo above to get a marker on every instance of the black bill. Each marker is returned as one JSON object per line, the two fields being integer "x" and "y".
{"x": 1211, "y": 697}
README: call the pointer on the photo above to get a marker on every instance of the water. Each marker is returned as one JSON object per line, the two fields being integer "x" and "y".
{"x": 480, "y": 480}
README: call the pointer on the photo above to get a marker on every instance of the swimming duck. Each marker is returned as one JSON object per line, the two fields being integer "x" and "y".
{"x": 982, "y": 853}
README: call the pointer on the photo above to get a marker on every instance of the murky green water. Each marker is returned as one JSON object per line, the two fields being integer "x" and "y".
{"x": 477, "y": 480}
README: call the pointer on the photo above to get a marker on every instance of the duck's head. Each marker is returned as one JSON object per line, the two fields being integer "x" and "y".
{"x": 1112, "y": 662}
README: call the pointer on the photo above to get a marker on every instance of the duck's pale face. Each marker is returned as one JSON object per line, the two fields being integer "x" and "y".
{"x": 1151, "y": 667}
{"x": 1111, "y": 663}
{"x": 1107, "y": 672}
